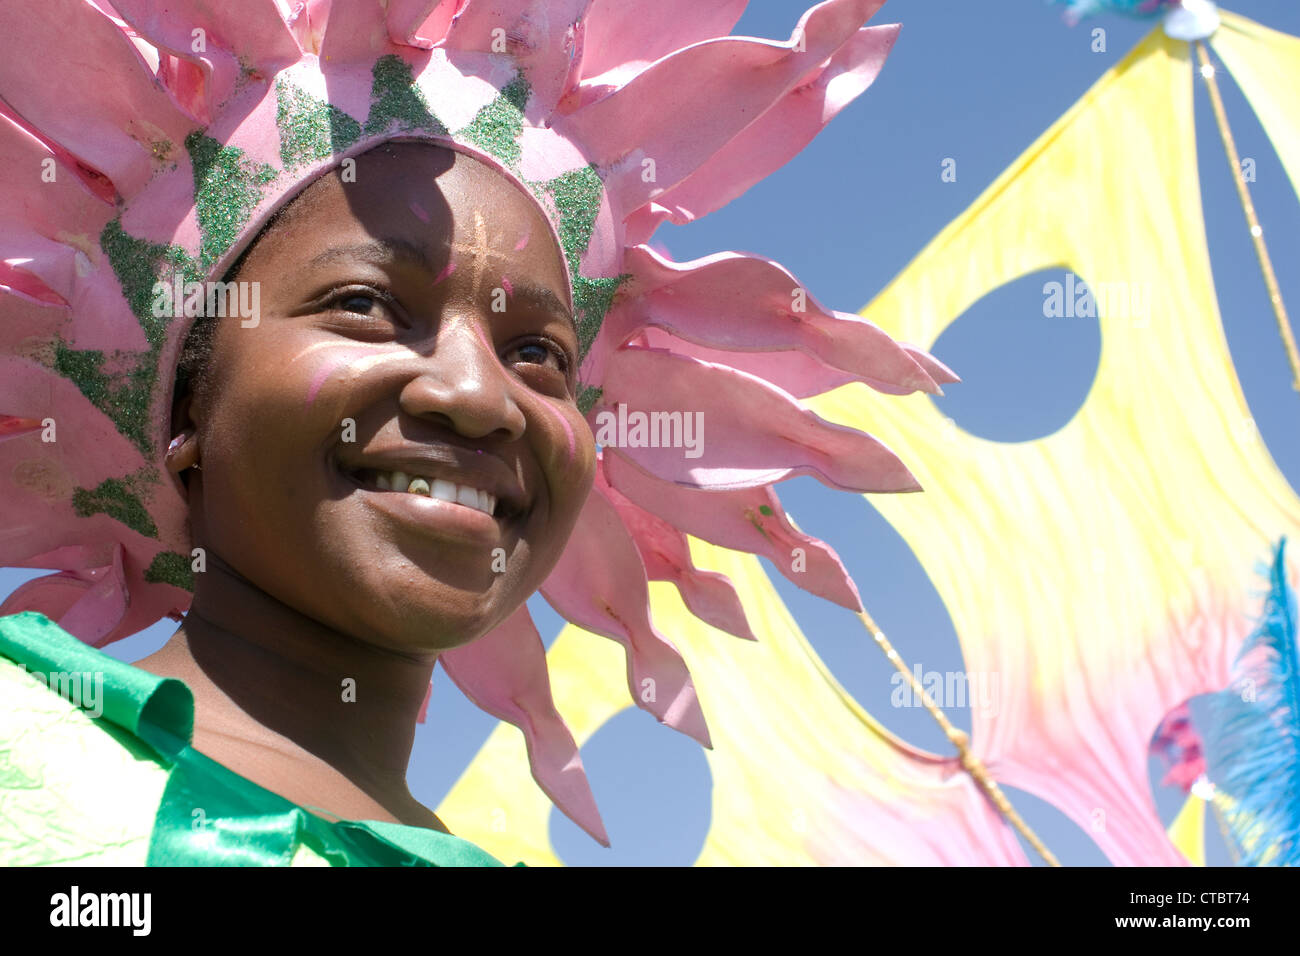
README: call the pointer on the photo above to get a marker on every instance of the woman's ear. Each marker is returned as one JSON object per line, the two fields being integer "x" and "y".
{"x": 183, "y": 451}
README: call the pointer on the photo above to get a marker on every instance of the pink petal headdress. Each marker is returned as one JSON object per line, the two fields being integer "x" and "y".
{"x": 144, "y": 141}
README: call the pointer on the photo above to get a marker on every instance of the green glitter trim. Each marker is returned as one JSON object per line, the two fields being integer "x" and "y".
{"x": 577, "y": 199}
{"x": 310, "y": 129}
{"x": 591, "y": 301}
{"x": 394, "y": 98}
{"x": 227, "y": 188}
{"x": 588, "y": 396}
{"x": 123, "y": 398}
{"x": 168, "y": 567}
{"x": 576, "y": 195}
{"x": 765, "y": 509}
{"x": 138, "y": 265}
{"x": 496, "y": 127}
{"x": 114, "y": 498}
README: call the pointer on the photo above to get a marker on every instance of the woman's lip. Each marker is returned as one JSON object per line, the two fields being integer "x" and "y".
{"x": 435, "y": 516}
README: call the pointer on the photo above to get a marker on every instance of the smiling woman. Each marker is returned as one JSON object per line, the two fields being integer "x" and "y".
{"x": 377, "y": 317}
{"x": 439, "y": 214}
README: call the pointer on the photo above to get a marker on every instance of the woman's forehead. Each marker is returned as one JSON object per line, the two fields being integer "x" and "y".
{"x": 421, "y": 188}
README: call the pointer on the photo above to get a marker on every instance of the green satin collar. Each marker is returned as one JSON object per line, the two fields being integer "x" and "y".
{"x": 209, "y": 815}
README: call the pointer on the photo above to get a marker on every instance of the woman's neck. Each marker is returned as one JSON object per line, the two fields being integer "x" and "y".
{"x": 268, "y": 680}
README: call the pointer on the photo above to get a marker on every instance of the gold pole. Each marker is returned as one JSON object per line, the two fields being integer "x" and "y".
{"x": 961, "y": 741}
{"x": 1256, "y": 231}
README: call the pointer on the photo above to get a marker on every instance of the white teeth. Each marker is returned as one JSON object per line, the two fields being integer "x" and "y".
{"x": 439, "y": 488}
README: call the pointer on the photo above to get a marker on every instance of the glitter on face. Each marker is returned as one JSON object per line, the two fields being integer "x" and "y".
{"x": 523, "y": 242}
{"x": 447, "y": 270}
{"x": 505, "y": 284}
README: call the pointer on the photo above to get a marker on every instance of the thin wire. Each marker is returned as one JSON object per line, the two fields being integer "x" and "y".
{"x": 1256, "y": 230}
{"x": 961, "y": 741}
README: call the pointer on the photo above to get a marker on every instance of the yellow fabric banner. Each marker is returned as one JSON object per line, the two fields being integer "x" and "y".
{"x": 1105, "y": 573}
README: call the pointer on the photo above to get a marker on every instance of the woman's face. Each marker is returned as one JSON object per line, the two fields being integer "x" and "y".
{"x": 415, "y": 325}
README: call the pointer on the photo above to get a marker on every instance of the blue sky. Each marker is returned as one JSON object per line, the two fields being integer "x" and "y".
{"x": 846, "y": 216}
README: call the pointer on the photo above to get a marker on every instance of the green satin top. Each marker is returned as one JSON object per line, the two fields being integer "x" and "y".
{"x": 96, "y": 768}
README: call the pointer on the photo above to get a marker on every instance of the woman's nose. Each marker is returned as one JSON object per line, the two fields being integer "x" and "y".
{"x": 464, "y": 385}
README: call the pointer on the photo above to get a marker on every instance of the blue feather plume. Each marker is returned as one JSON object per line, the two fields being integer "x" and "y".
{"x": 1080, "y": 9}
{"x": 1253, "y": 749}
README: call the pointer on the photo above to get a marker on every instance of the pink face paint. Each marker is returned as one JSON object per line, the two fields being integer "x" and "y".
{"x": 322, "y": 375}
{"x": 505, "y": 284}
{"x": 523, "y": 241}
{"x": 564, "y": 423}
{"x": 420, "y": 214}
{"x": 447, "y": 270}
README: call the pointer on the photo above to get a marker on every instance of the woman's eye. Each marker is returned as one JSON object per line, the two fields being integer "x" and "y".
{"x": 365, "y": 308}
{"x": 361, "y": 304}
{"x": 539, "y": 353}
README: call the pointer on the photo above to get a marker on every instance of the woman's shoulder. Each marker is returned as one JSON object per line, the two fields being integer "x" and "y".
{"x": 96, "y": 769}
{"x": 75, "y": 789}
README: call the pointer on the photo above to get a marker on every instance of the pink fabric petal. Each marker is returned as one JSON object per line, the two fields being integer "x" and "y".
{"x": 12, "y": 426}
{"x": 936, "y": 369}
{"x": 749, "y": 519}
{"x": 59, "y": 274}
{"x": 628, "y": 35}
{"x": 62, "y": 206}
{"x": 201, "y": 72}
{"x": 354, "y": 33}
{"x": 797, "y": 373}
{"x": 28, "y": 326}
{"x": 421, "y": 23}
{"x": 599, "y": 584}
{"x": 88, "y": 603}
{"x": 687, "y": 106}
{"x": 641, "y": 223}
{"x": 40, "y": 71}
{"x": 94, "y": 181}
{"x": 667, "y": 557}
{"x": 743, "y": 302}
{"x": 253, "y": 31}
{"x": 545, "y": 37}
{"x": 20, "y": 284}
{"x": 504, "y": 672}
{"x": 776, "y": 137}
{"x": 753, "y": 433}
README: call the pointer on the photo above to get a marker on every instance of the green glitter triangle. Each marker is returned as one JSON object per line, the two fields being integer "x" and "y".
{"x": 394, "y": 98}
{"x": 588, "y": 396}
{"x": 125, "y": 396}
{"x": 115, "y": 498}
{"x": 576, "y": 196}
{"x": 171, "y": 568}
{"x": 310, "y": 129}
{"x": 227, "y": 188}
{"x": 496, "y": 127}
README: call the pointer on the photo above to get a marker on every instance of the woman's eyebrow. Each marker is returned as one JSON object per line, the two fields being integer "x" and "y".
{"x": 378, "y": 252}
{"x": 542, "y": 299}
{"x": 384, "y": 251}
